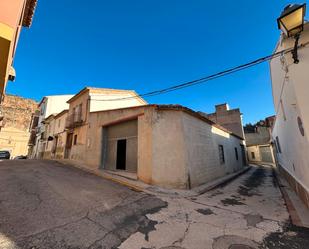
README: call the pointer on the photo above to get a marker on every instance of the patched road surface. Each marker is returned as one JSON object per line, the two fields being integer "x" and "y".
{"x": 247, "y": 213}
{"x": 46, "y": 205}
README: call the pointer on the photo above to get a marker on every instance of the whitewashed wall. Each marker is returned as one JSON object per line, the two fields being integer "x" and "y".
{"x": 290, "y": 91}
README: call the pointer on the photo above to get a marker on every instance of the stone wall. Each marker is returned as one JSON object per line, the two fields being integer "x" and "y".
{"x": 17, "y": 112}
{"x": 14, "y": 134}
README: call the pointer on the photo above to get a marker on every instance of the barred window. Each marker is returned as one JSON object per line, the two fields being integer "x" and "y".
{"x": 221, "y": 154}
{"x": 236, "y": 153}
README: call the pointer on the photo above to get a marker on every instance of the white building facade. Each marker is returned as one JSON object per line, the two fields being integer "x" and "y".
{"x": 290, "y": 84}
{"x": 48, "y": 105}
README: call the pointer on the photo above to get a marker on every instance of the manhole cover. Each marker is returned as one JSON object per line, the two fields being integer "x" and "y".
{"x": 239, "y": 246}
{"x": 234, "y": 242}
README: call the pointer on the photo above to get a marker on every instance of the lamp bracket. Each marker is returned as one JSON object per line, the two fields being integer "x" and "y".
{"x": 295, "y": 50}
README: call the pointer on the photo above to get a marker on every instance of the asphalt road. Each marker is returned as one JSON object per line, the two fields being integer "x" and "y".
{"x": 246, "y": 213}
{"x": 46, "y": 205}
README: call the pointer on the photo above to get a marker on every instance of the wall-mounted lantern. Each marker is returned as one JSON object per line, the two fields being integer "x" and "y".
{"x": 291, "y": 22}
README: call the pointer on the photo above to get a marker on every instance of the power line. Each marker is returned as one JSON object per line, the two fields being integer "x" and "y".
{"x": 209, "y": 77}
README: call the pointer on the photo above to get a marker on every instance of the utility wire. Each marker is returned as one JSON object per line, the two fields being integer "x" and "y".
{"x": 209, "y": 77}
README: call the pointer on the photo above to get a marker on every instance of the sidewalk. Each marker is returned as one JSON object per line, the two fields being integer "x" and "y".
{"x": 298, "y": 211}
{"x": 131, "y": 181}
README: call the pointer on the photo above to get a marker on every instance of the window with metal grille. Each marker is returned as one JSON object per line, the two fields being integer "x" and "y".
{"x": 236, "y": 153}
{"x": 221, "y": 154}
{"x": 278, "y": 144}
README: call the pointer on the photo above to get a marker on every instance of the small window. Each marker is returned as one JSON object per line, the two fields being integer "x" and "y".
{"x": 278, "y": 144}
{"x": 59, "y": 123}
{"x": 221, "y": 154}
{"x": 252, "y": 155}
{"x": 75, "y": 140}
{"x": 236, "y": 153}
{"x": 283, "y": 111}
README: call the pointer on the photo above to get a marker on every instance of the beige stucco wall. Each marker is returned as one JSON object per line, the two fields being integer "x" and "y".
{"x": 202, "y": 151}
{"x": 14, "y": 140}
{"x": 175, "y": 149}
{"x": 290, "y": 85}
{"x": 83, "y": 100}
{"x": 256, "y": 151}
{"x": 169, "y": 162}
{"x": 97, "y": 120}
{"x": 98, "y": 100}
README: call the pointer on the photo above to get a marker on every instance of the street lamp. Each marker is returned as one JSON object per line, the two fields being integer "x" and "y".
{"x": 291, "y": 22}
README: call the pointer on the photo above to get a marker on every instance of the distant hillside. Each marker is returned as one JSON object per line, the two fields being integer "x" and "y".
{"x": 17, "y": 111}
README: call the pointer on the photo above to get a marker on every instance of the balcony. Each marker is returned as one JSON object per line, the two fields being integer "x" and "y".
{"x": 1, "y": 118}
{"x": 74, "y": 120}
{"x": 32, "y": 139}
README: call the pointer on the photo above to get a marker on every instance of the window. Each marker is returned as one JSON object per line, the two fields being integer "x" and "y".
{"x": 221, "y": 154}
{"x": 278, "y": 145}
{"x": 283, "y": 111}
{"x": 252, "y": 155}
{"x": 75, "y": 140}
{"x": 59, "y": 121}
{"x": 236, "y": 153}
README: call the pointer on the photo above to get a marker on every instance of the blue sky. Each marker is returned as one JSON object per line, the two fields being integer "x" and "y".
{"x": 151, "y": 44}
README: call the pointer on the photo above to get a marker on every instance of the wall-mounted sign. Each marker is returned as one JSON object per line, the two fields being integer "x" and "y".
{"x": 300, "y": 126}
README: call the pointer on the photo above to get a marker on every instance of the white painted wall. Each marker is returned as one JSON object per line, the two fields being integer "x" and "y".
{"x": 49, "y": 105}
{"x": 99, "y": 102}
{"x": 291, "y": 87}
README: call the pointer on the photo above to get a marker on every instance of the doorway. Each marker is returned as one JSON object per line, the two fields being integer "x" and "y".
{"x": 243, "y": 154}
{"x": 121, "y": 154}
{"x": 68, "y": 146}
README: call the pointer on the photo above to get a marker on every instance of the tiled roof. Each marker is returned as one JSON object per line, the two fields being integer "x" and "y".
{"x": 29, "y": 12}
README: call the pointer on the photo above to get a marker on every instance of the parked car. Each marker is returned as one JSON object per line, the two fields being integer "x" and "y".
{"x": 4, "y": 154}
{"x": 20, "y": 157}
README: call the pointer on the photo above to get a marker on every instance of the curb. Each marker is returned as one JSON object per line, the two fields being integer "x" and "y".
{"x": 124, "y": 183}
{"x": 155, "y": 190}
{"x": 289, "y": 204}
{"x": 223, "y": 181}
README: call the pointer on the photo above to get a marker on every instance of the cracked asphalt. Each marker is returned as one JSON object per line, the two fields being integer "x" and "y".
{"x": 246, "y": 213}
{"x": 46, "y": 205}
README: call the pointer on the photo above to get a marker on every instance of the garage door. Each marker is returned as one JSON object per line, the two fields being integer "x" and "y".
{"x": 265, "y": 152}
{"x": 120, "y": 146}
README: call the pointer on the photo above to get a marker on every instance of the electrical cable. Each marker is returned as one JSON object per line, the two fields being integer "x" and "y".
{"x": 209, "y": 77}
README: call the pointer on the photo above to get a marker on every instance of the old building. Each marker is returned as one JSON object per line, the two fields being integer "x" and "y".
{"x": 14, "y": 135}
{"x": 14, "y": 14}
{"x": 291, "y": 129}
{"x": 259, "y": 142}
{"x": 90, "y": 100}
{"x": 48, "y": 105}
{"x": 230, "y": 119}
{"x": 117, "y": 131}
{"x": 33, "y": 130}
{"x": 166, "y": 145}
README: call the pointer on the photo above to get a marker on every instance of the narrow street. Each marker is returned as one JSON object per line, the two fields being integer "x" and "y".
{"x": 246, "y": 213}
{"x": 44, "y": 204}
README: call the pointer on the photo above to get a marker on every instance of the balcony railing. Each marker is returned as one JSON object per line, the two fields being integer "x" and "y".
{"x": 74, "y": 120}
{"x": 32, "y": 139}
